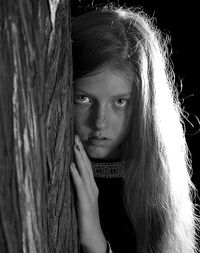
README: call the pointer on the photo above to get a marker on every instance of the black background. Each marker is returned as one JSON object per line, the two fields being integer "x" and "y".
{"x": 179, "y": 20}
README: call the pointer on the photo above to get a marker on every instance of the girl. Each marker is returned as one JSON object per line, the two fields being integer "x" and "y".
{"x": 131, "y": 170}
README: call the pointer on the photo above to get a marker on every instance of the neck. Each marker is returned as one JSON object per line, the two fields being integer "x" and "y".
{"x": 110, "y": 160}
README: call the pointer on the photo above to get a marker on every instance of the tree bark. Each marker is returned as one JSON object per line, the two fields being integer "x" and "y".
{"x": 37, "y": 212}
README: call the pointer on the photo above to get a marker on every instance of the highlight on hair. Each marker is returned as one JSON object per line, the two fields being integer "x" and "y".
{"x": 158, "y": 191}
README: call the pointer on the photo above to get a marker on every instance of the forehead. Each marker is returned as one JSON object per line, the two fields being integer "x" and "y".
{"x": 105, "y": 81}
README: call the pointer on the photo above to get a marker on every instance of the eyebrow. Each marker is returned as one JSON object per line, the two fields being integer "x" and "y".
{"x": 120, "y": 95}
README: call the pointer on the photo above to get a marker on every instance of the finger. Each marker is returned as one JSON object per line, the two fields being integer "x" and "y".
{"x": 85, "y": 157}
{"x": 79, "y": 142}
{"x": 82, "y": 167}
{"x": 77, "y": 180}
{"x": 87, "y": 163}
{"x": 81, "y": 188}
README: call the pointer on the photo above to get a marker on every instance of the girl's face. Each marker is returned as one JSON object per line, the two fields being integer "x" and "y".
{"x": 102, "y": 112}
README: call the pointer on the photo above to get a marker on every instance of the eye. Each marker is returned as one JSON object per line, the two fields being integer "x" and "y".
{"x": 81, "y": 99}
{"x": 121, "y": 102}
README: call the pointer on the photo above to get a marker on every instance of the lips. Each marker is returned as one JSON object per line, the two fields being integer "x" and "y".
{"x": 98, "y": 140}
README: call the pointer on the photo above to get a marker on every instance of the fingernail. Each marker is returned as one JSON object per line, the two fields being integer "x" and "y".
{"x": 77, "y": 138}
{"x": 77, "y": 147}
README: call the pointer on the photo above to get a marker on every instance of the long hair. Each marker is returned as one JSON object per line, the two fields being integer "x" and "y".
{"x": 158, "y": 191}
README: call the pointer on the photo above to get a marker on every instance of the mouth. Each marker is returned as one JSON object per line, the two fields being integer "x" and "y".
{"x": 98, "y": 141}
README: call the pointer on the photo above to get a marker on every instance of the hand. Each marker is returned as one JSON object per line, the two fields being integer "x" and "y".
{"x": 91, "y": 235}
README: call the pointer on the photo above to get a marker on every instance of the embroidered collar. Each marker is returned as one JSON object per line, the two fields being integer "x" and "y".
{"x": 113, "y": 169}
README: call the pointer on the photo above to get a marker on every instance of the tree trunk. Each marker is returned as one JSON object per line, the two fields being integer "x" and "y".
{"x": 37, "y": 212}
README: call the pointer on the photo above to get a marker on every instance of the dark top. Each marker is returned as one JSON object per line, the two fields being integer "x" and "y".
{"x": 115, "y": 224}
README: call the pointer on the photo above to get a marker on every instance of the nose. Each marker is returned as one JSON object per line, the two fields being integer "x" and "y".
{"x": 102, "y": 118}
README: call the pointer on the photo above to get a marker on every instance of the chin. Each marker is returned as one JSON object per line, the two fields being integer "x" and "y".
{"x": 97, "y": 154}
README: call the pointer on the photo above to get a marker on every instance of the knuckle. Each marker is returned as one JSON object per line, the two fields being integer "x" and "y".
{"x": 96, "y": 191}
{"x": 81, "y": 184}
{"x": 94, "y": 196}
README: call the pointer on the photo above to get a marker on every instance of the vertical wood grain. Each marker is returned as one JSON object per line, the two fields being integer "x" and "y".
{"x": 36, "y": 128}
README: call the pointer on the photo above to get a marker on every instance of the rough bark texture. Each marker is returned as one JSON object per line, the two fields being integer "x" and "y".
{"x": 36, "y": 128}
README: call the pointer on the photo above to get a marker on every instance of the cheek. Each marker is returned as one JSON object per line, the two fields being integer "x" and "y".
{"x": 80, "y": 119}
{"x": 120, "y": 124}
{"x": 77, "y": 119}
